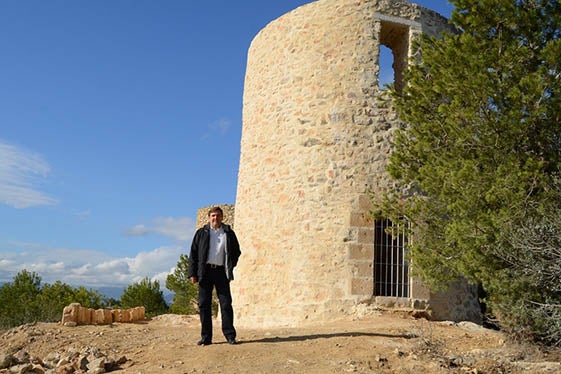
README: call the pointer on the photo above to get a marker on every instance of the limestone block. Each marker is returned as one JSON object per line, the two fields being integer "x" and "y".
{"x": 360, "y": 252}
{"x": 365, "y": 235}
{"x": 102, "y": 317}
{"x": 117, "y": 315}
{"x": 126, "y": 316}
{"x": 361, "y": 219}
{"x": 361, "y": 286}
{"x": 363, "y": 269}
{"x": 121, "y": 315}
{"x": 84, "y": 315}
{"x": 137, "y": 314}
{"x": 70, "y": 314}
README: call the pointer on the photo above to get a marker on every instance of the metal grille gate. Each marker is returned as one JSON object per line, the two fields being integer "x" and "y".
{"x": 391, "y": 268}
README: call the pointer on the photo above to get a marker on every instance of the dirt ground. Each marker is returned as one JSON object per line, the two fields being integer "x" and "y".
{"x": 382, "y": 342}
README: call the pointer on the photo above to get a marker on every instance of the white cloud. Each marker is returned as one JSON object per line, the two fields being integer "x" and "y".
{"x": 147, "y": 262}
{"x": 161, "y": 277}
{"x": 180, "y": 229}
{"x": 220, "y": 127}
{"x": 138, "y": 230}
{"x": 79, "y": 267}
{"x": 19, "y": 172}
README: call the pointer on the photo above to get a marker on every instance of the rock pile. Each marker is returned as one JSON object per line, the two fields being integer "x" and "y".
{"x": 85, "y": 360}
{"x": 75, "y": 314}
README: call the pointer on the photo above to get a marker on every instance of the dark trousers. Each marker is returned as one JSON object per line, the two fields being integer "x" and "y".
{"x": 216, "y": 278}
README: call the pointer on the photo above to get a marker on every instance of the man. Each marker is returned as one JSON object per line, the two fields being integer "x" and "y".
{"x": 214, "y": 254}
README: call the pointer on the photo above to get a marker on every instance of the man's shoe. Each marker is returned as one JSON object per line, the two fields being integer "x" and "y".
{"x": 203, "y": 342}
{"x": 232, "y": 341}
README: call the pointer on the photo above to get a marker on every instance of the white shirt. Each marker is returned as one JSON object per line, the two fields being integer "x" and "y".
{"x": 217, "y": 250}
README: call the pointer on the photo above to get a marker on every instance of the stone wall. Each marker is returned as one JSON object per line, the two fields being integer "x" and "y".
{"x": 75, "y": 314}
{"x": 315, "y": 143}
{"x": 228, "y": 209}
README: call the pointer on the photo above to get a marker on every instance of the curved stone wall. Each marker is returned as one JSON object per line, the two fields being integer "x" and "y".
{"x": 315, "y": 141}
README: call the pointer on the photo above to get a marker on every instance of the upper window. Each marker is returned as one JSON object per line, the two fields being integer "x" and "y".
{"x": 394, "y": 45}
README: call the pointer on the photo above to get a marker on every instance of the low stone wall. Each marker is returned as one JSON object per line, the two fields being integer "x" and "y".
{"x": 75, "y": 314}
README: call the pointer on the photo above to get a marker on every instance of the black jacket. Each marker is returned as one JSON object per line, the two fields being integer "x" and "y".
{"x": 199, "y": 252}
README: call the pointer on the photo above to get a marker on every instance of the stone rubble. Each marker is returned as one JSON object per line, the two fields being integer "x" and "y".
{"x": 85, "y": 360}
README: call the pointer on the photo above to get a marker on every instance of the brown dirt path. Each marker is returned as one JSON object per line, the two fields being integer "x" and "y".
{"x": 382, "y": 342}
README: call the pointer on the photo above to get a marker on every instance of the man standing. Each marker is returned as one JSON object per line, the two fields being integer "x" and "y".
{"x": 214, "y": 254}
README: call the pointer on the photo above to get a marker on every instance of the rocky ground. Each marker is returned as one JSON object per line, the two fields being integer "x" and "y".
{"x": 381, "y": 342}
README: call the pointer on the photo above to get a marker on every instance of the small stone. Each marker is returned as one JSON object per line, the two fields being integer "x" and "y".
{"x": 97, "y": 363}
{"x": 23, "y": 368}
{"x": 22, "y": 357}
{"x": 6, "y": 360}
{"x": 37, "y": 369}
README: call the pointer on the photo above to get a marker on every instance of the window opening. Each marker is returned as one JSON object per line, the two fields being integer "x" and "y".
{"x": 395, "y": 37}
{"x": 385, "y": 61}
{"x": 391, "y": 268}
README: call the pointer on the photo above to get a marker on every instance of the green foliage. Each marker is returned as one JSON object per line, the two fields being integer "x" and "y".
{"x": 88, "y": 298}
{"x": 185, "y": 292}
{"x": 25, "y": 300}
{"x": 18, "y": 300}
{"x": 533, "y": 254}
{"x": 53, "y": 298}
{"x": 112, "y": 303}
{"x": 147, "y": 294}
{"x": 482, "y": 144}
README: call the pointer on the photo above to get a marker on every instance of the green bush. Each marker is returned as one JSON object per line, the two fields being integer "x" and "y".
{"x": 145, "y": 293}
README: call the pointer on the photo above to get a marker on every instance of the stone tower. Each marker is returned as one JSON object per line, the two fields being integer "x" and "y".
{"x": 315, "y": 142}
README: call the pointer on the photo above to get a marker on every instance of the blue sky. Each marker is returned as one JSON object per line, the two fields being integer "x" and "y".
{"x": 118, "y": 120}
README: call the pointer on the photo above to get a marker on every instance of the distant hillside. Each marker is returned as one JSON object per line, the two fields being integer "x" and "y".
{"x": 116, "y": 292}
{"x": 112, "y": 292}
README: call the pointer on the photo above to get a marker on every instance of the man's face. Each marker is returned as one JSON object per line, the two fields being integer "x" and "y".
{"x": 215, "y": 219}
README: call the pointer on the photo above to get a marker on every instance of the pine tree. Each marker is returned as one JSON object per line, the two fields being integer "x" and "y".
{"x": 18, "y": 299}
{"x": 481, "y": 146}
{"x": 185, "y": 292}
{"x": 145, "y": 293}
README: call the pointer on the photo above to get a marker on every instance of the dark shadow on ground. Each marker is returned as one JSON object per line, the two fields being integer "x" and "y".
{"x": 281, "y": 339}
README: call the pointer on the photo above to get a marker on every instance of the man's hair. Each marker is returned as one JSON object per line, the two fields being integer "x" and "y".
{"x": 215, "y": 209}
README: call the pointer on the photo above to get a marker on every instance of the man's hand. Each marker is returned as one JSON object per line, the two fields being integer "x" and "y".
{"x": 194, "y": 279}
